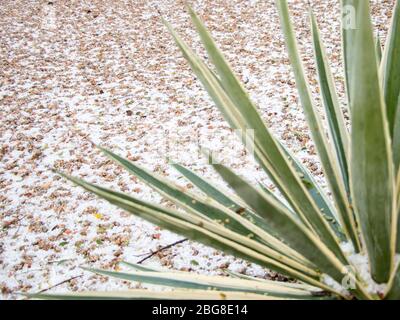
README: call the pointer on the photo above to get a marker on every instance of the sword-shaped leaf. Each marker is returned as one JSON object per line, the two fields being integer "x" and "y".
{"x": 372, "y": 177}
{"x": 338, "y": 133}
{"x": 238, "y": 108}
{"x": 288, "y": 227}
{"x": 229, "y": 201}
{"x": 212, "y": 210}
{"x": 206, "y": 232}
{"x": 349, "y": 25}
{"x": 325, "y": 151}
{"x": 396, "y": 219}
{"x": 396, "y": 139}
{"x": 177, "y": 194}
{"x": 241, "y": 208}
{"x": 393, "y": 291}
{"x": 316, "y": 193}
{"x": 139, "y": 294}
{"x": 391, "y": 68}
{"x": 187, "y": 280}
{"x": 140, "y": 267}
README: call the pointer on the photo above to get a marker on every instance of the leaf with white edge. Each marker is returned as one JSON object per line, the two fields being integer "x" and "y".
{"x": 372, "y": 177}
{"x": 349, "y": 26}
{"x": 396, "y": 232}
{"x": 235, "y": 204}
{"x": 391, "y": 68}
{"x": 316, "y": 193}
{"x": 138, "y": 294}
{"x": 177, "y": 194}
{"x": 396, "y": 139}
{"x": 338, "y": 132}
{"x": 206, "y": 232}
{"x": 288, "y": 228}
{"x": 245, "y": 116}
{"x": 263, "y": 188}
{"x": 215, "y": 193}
{"x": 393, "y": 291}
{"x": 202, "y": 282}
{"x": 289, "y": 284}
{"x": 215, "y": 212}
{"x": 228, "y": 200}
{"x": 329, "y": 162}
{"x": 140, "y": 267}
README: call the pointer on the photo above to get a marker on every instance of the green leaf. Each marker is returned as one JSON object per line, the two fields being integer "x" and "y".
{"x": 240, "y": 112}
{"x": 240, "y": 208}
{"x": 206, "y": 232}
{"x": 371, "y": 168}
{"x": 301, "y": 286}
{"x": 216, "y": 213}
{"x": 138, "y": 294}
{"x": 229, "y": 201}
{"x": 396, "y": 139}
{"x": 214, "y": 192}
{"x": 316, "y": 193}
{"x": 391, "y": 67}
{"x": 177, "y": 194}
{"x": 201, "y": 282}
{"x": 140, "y": 267}
{"x": 396, "y": 223}
{"x": 393, "y": 291}
{"x": 263, "y": 189}
{"x": 338, "y": 132}
{"x": 325, "y": 151}
{"x": 288, "y": 228}
{"x": 349, "y": 26}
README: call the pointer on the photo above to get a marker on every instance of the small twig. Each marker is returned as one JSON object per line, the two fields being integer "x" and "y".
{"x": 60, "y": 283}
{"x": 161, "y": 249}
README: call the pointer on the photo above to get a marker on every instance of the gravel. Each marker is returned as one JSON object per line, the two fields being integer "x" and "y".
{"x": 77, "y": 72}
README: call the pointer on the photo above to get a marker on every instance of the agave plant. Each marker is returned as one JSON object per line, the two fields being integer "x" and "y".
{"x": 344, "y": 245}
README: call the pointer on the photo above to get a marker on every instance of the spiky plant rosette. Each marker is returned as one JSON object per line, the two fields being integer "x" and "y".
{"x": 342, "y": 246}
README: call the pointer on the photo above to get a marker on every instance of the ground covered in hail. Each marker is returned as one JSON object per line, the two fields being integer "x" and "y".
{"x": 77, "y": 72}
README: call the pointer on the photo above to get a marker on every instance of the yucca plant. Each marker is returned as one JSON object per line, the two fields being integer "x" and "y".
{"x": 341, "y": 246}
